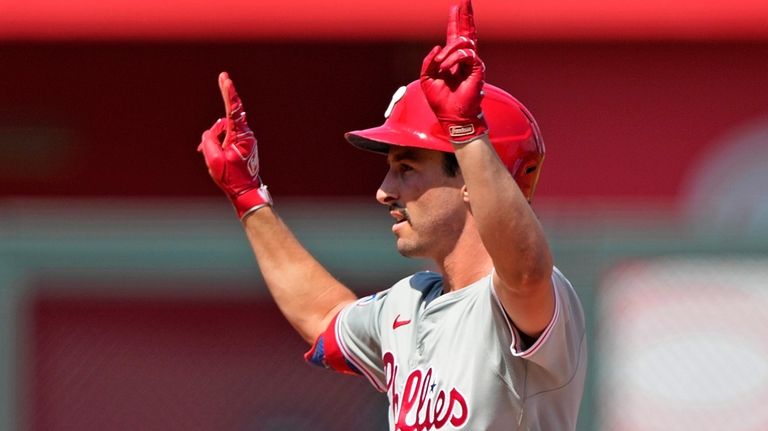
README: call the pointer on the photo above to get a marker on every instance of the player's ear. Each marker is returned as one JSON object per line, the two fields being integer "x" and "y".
{"x": 465, "y": 193}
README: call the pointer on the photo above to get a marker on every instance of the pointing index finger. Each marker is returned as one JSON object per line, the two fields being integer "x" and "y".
{"x": 233, "y": 106}
{"x": 223, "y": 78}
{"x": 461, "y": 22}
{"x": 453, "y": 24}
{"x": 466, "y": 21}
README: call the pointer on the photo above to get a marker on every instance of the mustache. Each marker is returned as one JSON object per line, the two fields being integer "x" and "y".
{"x": 400, "y": 210}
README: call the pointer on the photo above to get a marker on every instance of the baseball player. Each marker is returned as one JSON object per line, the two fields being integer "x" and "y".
{"x": 495, "y": 339}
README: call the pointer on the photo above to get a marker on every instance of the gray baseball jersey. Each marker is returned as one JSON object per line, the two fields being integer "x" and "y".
{"x": 455, "y": 361}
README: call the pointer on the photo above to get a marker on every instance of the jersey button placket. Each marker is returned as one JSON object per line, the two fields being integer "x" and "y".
{"x": 413, "y": 362}
{"x": 421, "y": 334}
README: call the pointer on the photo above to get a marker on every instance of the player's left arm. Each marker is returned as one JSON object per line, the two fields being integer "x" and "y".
{"x": 452, "y": 78}
{"x": 513, "y": 237}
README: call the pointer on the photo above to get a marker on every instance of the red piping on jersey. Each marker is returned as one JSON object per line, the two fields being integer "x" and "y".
{"x": 547, "y": 331}
{"x": 332, "y": 355}
{"x": 516, "y": 336}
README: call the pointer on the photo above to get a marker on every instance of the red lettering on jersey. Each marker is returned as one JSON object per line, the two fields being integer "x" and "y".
{"x": 418, "y": 407}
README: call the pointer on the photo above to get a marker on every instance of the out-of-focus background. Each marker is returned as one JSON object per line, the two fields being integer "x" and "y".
{"x": 129, "y": 299}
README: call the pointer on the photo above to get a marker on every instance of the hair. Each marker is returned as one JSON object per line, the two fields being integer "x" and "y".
{"x": 450, "y": 164}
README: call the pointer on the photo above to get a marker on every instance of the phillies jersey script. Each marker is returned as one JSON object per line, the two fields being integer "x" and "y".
{"x": 454, "y": 360}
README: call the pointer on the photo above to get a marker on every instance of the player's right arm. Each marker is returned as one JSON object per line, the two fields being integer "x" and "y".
{"x": 305, "y": 292}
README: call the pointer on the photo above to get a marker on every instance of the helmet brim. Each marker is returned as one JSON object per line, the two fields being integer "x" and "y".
{"x": 379, "y": 139}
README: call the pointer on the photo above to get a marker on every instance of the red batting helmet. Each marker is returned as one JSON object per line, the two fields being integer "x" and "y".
{"x": 410, "y": 122}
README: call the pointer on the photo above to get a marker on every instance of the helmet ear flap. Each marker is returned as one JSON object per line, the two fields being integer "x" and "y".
{"x": 527, "y": 175}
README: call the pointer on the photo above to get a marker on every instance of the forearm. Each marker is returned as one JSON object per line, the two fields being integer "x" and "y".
{"x": 453, "y": 79}
{"x": 508, "y": 226}
{"x": 304, "y": 291}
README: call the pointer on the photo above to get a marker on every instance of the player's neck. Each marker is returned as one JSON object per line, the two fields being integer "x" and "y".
{"x": 466, "y": 263}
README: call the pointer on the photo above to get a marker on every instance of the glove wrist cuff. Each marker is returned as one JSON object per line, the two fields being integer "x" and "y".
{"x": 251, "y": 201}
{"x": 463, "y": 131}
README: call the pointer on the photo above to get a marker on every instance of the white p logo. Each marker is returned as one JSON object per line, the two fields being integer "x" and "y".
{"x": 395, "y": 98}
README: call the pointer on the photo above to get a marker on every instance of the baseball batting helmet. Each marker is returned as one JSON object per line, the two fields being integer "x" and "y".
{"x": 410, "y": 122}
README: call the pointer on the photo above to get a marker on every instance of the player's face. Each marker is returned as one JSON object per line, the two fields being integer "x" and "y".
{"x": 425, "y": 201}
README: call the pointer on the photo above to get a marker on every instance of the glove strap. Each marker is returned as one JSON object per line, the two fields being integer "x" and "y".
{"x": 464, "y": 131}
{"x": 251, "y": 201}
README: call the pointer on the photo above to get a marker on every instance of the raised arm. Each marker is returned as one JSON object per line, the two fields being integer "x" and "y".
{"x": 305, "y": 292}
{"x": 452, "y": 79}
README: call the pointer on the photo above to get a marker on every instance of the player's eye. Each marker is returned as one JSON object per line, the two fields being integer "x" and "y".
{"x": 404, "y": 167}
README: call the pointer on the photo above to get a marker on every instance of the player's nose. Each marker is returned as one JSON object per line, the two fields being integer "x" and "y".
{"x": 387, "y": 192}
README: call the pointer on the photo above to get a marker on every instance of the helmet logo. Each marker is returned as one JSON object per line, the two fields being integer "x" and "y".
{"x": 399, "y": 94}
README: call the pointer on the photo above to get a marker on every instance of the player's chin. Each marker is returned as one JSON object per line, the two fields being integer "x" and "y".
{"x": 408, "y": 248}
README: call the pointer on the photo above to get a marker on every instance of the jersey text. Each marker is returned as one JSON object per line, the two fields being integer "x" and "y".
{"x": 419, "y": 407}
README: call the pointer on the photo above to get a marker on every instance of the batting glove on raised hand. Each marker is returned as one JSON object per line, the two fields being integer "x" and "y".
{"x": 452, "y": 78}
{"x": 234, "y": 163}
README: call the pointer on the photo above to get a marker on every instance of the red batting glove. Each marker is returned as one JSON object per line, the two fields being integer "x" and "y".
{"x": 452, "y": 78}
{"x": 234, "y": 164}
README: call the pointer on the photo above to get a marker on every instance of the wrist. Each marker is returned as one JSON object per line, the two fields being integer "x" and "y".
{"x": 459, "y": 145}
{"x": 462, "y": 131}
{"x": 251, "y": 201}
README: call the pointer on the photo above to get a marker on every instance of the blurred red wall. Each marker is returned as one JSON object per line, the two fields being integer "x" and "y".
{"x": 149, "y": 363}
{"x": 123, "y": 119}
